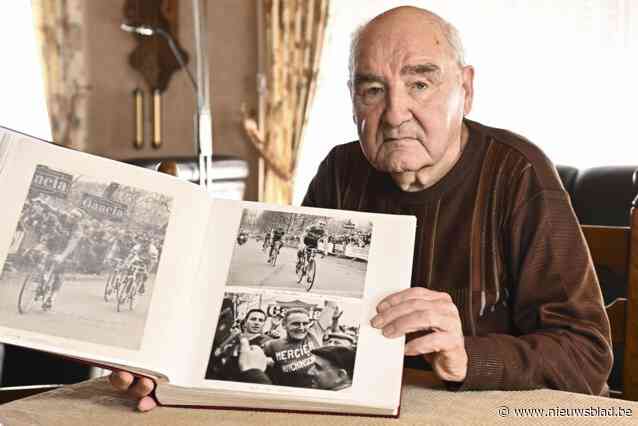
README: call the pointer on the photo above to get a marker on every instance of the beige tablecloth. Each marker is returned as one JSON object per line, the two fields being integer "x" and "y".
{"x": 424, "y": 401}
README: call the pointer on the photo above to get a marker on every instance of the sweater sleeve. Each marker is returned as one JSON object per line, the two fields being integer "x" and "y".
{"x": 322, "y": 190}
{"x": 562, "y": 335}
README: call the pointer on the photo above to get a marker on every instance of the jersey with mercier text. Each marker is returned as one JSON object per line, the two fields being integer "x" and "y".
{"x": 292, "y": 360}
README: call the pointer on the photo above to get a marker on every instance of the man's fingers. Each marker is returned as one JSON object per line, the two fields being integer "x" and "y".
{"x": 121, "y": 380}
{"x": 411, "y": 293}
{"x": 434, "y": 342}
{"x": 425, "y": 308}
{"x": 141, "y": 387}
{"x": 146, "y": 404}
{"x": 422, "y": 320}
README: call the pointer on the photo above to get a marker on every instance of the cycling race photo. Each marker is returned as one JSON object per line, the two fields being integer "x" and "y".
{"x": 301, "y": 252}
{"x": 286, "y": 340}
{"x": 84, "y": 255}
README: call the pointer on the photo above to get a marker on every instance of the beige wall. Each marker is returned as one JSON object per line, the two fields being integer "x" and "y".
{"x": 233, "y": 65}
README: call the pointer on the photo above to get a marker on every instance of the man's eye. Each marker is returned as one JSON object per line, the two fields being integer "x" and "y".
{"x": 420, "y": 85}
{"x": 371, "y": 94}
{"x": 373, "y": 91}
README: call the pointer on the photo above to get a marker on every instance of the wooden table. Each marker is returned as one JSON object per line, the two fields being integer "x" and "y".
{"x": 424, "y": 402}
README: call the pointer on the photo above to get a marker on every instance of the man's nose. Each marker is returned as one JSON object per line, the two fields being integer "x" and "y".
{"x": 397, "y": 108}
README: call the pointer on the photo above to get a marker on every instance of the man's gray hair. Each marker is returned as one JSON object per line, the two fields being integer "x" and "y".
{"x": 449, "y": 31}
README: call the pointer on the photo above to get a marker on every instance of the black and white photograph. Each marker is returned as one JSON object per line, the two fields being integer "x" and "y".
{"x": 301, "y": 252}
{"x": 285, "y": 340}
{"x": 83, "y": 257}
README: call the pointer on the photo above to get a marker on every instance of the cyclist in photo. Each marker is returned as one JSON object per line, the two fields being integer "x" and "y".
{"x": 267, "y": 238}
{"x": 121, "y": 245}
{"x": 66, "y": 235}
{"x": 310, "y": 240}
{"x": 146, "y": 251}
{"x": 276, "y": 239}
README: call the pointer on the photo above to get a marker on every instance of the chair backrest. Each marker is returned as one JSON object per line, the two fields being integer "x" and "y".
{"x": 601, "y": 195}
{"x": 614, "y": 250}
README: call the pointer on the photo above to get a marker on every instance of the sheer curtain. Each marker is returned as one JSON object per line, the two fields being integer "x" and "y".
{"x": 22, "y": 99}
{"x": 294, "y": 39}
{"x": 561, "y": 73}
{"x": 60, "y": 32}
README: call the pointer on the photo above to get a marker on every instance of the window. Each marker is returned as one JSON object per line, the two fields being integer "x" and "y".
{"x": 561, "y": 73}
{"x": 22, "y": 99}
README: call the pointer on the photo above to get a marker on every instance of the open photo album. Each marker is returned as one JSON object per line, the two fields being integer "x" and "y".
{"x": 226, "y": 304}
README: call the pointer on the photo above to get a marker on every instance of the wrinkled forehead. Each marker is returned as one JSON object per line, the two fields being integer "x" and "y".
{"x": 391, "y": 45}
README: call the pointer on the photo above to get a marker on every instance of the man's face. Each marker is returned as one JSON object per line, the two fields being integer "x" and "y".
{"x": 255, "y": 322}
{"x": 297, "y": 326}
{"x": 409, "y": 97}
{"x": 325, "y": 375}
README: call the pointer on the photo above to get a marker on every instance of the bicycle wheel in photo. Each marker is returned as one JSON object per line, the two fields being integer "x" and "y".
{"x": 28, "y": 292}
{"x": 274, "y": 256}
{"x": 133, "y": 295}
{"x": 110, "y": 289}
{"x": 301, "y": 271}
{"x": 124, "y": 292}
{"x": 310, "y": 274}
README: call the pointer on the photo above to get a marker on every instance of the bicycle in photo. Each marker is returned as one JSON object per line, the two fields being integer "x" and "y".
{"x": 274, "y": 253}
{"x": 265, "y": 245}
{"x": 130, "y": 283}
{"x": 38, "y": 284}
{"x": 306, "y": 269}
{"x": 112, "y": 285}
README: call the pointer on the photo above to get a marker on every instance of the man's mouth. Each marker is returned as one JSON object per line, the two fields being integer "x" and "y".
{"x": 403, "y": 139}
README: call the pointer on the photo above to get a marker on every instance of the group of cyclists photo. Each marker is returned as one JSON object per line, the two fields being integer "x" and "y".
{"x": 300, "y": 252}
{"x": 56, "y": 240}
{"x": 302, "y": 342}
{"x": 307, "y": 243}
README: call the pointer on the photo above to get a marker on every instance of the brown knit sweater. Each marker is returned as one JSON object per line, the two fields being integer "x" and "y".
{"x": 499, "y": 235}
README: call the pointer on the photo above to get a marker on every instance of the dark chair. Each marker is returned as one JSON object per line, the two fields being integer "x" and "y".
{"x": 603, "y": 195}
{"x": 614, "y": 251}
{"x": 567, "y": 176}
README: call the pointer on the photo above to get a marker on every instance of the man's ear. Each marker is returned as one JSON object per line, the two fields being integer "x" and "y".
{"x": 342, "y": 374}
{"x": 351, "y": 91}
{"x": 468, "y": 87}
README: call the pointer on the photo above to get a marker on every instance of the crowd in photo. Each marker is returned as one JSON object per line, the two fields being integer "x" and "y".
{"x": 299, "y": 345}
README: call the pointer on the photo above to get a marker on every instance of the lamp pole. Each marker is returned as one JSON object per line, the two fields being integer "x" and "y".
{"x": 203, "y": 118}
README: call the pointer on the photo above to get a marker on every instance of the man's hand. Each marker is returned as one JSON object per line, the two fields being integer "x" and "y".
{"x": 137, "y": 387}
{"x": 251, "y": 357}
{"x": 419, "y": 309}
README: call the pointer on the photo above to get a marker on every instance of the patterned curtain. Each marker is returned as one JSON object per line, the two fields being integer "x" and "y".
{"x": 294, "y": 37}
{"x": 59, "y": 28}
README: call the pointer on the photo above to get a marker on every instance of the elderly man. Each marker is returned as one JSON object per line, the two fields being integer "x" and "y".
{"x": 504, "y": 294}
